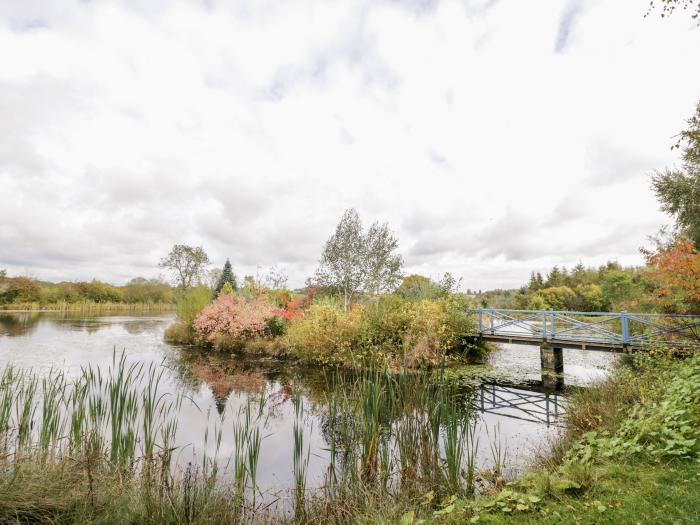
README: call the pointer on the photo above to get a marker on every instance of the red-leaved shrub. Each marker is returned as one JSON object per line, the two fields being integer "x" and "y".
{"x": 293, "y": 308}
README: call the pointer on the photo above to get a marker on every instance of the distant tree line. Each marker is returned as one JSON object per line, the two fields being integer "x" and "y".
{"x": 21, "y": 289}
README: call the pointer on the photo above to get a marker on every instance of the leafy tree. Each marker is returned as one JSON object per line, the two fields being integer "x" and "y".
{"x": 276, "y": 278}
{"x": 678, "y": 190}
{"x": 674, "y": 273}
{"x": 382, "y": 264}
{"x": 186, "y": 263}
{"x": 590, "y": 298}
{"x": 448, "y": 284}
{"x": 417, "y": 287}
{"x": 227, "y": 277}
{"x": 342, "y": 262}
{"x": 353, "y": 261}
{"x": 620, "y": 287}
{"x": 556, "y": 298}
{"x": 19, "y": 290}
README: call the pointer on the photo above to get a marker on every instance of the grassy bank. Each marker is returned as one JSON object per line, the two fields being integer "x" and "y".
{"x": 631, "y": 454}
{"x": 87, "y": 307}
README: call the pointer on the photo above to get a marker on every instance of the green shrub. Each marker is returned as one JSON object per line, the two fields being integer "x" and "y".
{"x": 190, "y": 303}
{"x": 664, "y": 423}
{"x": 393, "y": 331}
{"x": 326, "y": 334}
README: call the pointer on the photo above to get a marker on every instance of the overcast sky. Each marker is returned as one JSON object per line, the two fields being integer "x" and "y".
{"x": 495, "y": 137}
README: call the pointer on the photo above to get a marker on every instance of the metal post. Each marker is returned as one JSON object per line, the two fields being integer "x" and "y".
{"x": 491, "y": 320}
{"x": 625, "y": 328}
{"x": 551, "y": 323}
{"x": 481, "y": 321}
{"x": 544, "y": 326}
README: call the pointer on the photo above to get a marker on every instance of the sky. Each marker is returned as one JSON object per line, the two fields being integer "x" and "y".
{"x": 495, "y": 137}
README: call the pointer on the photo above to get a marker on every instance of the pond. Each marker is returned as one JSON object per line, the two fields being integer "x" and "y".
{"x": 505, "y": 398}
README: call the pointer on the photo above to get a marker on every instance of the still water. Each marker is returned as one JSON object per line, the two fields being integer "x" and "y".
{"x": 510, "y": 404}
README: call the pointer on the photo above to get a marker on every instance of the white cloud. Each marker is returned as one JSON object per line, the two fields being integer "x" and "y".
{"x": 495, "y": 137}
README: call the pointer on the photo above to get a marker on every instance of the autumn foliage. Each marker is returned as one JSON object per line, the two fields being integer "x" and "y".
{"x": 235, "y": 317}
{"x": 293, "y": 308}
{"x": 674, "y": 272}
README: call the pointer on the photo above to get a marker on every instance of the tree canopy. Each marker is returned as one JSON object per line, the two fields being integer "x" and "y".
{"x": 186, "y": 264}
{"x": 227, "y": 277}
{"x": 354, "y": 261}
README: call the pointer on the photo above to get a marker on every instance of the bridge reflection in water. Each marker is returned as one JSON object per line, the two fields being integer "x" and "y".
{"x": 533, "y": 402}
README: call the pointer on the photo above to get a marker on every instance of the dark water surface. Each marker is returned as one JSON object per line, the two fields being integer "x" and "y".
{"x": 510, "y": 404}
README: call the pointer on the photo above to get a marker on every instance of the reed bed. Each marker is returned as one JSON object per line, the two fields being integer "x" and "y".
{"x": 110, "y": 437}
{"x": 88, "y": 307}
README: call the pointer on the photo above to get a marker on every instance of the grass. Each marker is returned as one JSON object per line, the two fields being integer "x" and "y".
{"x": 650, "y": 493}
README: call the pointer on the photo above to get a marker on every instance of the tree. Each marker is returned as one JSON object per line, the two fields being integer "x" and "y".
{"x": 674, "y": 273}
{"x": 276, "y": 278}
{"x": 678, "y": 190}
{"x": 186, "y": 263}
{"x": 417, "y": 287}
{"x": 448, "y": 284}
{"x": 536, "y": 282}
{"x": 620, "y": 287}
{"x": 382, "y": 264}
{"x": 227, "y": 276}
{"x": 555, "y": 278}
{"x": 353, "y": 261}
{"x": 557, "y": 298}
{"x": 342, "y": 262}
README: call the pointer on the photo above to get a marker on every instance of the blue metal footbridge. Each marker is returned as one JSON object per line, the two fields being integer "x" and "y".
{"x": 607, "y": 331}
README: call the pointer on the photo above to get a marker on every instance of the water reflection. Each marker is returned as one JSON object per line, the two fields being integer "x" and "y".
{"x": 532, "y": 402}
{"x": 14, "y": 325}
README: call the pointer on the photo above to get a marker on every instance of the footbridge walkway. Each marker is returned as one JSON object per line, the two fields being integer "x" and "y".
{"x": 554, "y": 330}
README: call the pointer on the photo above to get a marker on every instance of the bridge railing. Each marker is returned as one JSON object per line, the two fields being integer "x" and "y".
{"x": 613, "y": 328}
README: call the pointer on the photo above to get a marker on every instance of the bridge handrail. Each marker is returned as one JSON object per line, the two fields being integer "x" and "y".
{"x": 572, "y": 312}
{"x": 542, "y": 324}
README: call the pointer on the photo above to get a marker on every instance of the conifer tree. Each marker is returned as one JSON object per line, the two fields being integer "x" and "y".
{"x": 227, "y": 276}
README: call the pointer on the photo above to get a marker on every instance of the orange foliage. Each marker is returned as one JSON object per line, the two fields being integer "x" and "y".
{"x": 675, "y": 274}
{"x": 293, "y": 308}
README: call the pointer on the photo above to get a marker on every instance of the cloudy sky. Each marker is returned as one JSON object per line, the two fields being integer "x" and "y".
{"x": 495, "y": 137}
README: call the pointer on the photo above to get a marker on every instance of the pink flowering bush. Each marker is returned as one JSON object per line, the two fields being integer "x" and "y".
{"x": 233, "y": 319}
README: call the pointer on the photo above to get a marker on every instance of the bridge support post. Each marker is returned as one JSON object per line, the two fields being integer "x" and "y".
{"x": 552, "y": 366}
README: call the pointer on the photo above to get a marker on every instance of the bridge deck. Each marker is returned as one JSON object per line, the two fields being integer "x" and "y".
{"x": 560, "y": 343}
